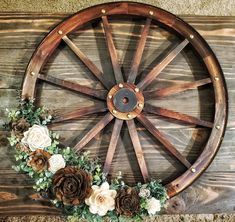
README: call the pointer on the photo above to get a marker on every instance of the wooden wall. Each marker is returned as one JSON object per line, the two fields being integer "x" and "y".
{"x": 213, "y": 192}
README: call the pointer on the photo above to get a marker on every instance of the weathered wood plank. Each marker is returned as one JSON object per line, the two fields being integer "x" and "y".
{"x": 187, "y": 142}
{"x": 212, "y": 193}
{"x": 19, "y": 43}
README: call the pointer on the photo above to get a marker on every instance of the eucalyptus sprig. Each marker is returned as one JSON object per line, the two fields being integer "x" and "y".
{"x": 39, "y": 117}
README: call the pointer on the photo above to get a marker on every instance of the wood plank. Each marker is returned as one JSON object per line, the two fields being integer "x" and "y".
{"x": 202, "y": 197}
{"x": 213, "y": 192}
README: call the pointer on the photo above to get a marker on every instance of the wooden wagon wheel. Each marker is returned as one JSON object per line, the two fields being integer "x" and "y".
{"x": 126, "y": 100}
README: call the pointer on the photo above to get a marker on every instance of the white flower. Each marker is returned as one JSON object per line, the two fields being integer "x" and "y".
{"x": 56, "y": 162}
{"x": 144, "y": 193}
{"x": 37, "y": 137}
{"x": 101, "y": 200}
{"x": 153, "y": 206}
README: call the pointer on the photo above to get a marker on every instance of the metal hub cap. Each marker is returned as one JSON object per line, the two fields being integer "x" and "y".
{"x": 125, "y": 101}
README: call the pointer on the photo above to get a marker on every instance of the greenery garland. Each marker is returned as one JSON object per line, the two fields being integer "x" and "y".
{"x": 75, "y": 182}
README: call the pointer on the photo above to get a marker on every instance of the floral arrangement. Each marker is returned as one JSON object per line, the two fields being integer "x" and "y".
{"x": 75, "y": 182}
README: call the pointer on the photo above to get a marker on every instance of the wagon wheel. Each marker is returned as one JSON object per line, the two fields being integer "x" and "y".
{"x": 126, "y": 100}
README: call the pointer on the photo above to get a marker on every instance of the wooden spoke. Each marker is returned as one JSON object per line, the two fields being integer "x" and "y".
{"x": 176, "y": 115}
{"x": 112, "y": 50}
{"x": 93, "y": 132}
{"x": 175, "y": 89}
{"x": 160, "y": 66}
{"x": 162, "y": 139}
{"x": 113, "y": 144}
{"x": 138, "y": 149}
{"x": 100, "y": 94}
{"x": 90, "y": 65}
{"x": 80, "y": 113}
{"x": 139, "y": 52}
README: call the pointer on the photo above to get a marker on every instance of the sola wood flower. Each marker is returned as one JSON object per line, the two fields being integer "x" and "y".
{"x": 101, "y": 200}
{"x": 37, "y": 137}
{"x": 38, "y": 160}
{"x": 127, "y": 201}
{"x": 19, "y": 127}
{"x": 56, "y": 162}
{"x": 22, "y": 147}
{"x": 144, "y": 193}
{"x": 153, "y": 206}
{"x": 71, "y": 185}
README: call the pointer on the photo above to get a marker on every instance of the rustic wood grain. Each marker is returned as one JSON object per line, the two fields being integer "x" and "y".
{"x": 213, "y": 192}
{"x": 139, "y": 52}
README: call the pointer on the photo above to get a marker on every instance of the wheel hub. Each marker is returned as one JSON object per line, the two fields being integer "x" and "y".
{"x": 125, "y": 101}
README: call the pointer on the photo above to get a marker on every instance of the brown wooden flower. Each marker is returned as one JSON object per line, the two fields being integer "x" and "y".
{"x": 22, "y": 147}
{"x": 127, "y": 201}
{"x": 71, "y": 185}
{"x": 38, "y": 160}
{"x": 19, "y": 127}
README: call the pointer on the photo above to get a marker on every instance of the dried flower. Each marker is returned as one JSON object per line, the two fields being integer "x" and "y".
{"x": 153, "y": 206}
{"x": 19, "y": 127}
{"x": 22, "y": 147}
{"x": 37, "y": 137}
{"x": 71, "y": 185}
{"x": 38, "y": 160}
{"x": 56, "y": 162}
{"x": 144, "y": 193}
{"x": 101, "y": 200}
{"x": 127, "y": 201}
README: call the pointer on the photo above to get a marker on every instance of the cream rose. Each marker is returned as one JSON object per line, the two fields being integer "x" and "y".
{"x": 56, "y": 162}
{"x": 37, "y": 137}
{"x": 153, "y": 206}
{"x": 102, "y": 199}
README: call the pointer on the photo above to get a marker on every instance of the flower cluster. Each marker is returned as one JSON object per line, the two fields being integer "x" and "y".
{"x": 75, "y": 182}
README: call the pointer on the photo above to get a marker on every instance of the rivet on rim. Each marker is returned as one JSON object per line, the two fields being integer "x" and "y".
{"x": 140, "y": 105}
{"x": 216, "y": 78}
{"x": 32, "y": 73}
{"x": 151, "y": 12}
{"x": 114, "y": 111}
{"x": 120, "y": 85}
{"x": 217, "y": 127}
{"x": 60, "y": 32}
{"x": 103, "y": 11}
{"x": 193, "y": 170}
{"x": 191, "y": 36}
{"x": 137, "y": 89}
{"x": 110, "y": 96}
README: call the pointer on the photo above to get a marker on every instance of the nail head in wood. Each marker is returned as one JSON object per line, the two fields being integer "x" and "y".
{"x": 151, "y": 12}
{"x": 140, "y": 105}
{"x": 114, "y": 111}
{"x": 32, "y": 73}
{"x": 193, "y": 170}
{"x": 217, "y": 127}
{"x": 137, "y": 89}
{"x": 216, "y": 78}
{"x": 103, "y": 11}
{"x": 60, "y": 32}
{"x": 110, "y": 96}
{"x": 120, "y": 85}
{"x": 191, "y": 36}
{"x": 129, "y": 116}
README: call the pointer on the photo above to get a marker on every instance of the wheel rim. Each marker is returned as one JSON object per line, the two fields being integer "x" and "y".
{"x": 53, "y": 39}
